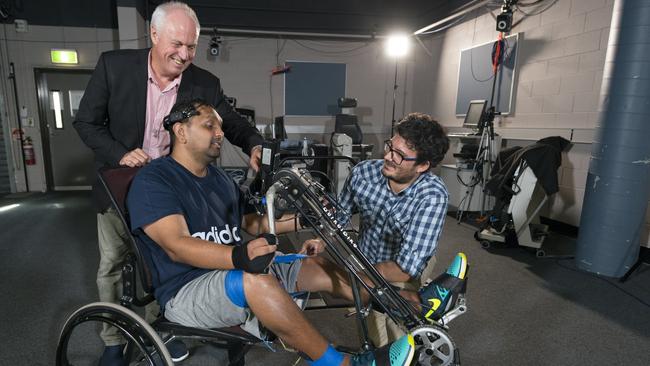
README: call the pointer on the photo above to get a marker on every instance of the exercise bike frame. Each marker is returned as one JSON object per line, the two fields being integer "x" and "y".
{"x": 295, "y": 188}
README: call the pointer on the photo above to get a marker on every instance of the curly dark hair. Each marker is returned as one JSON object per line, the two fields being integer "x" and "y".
{"x": 424, "y": 135}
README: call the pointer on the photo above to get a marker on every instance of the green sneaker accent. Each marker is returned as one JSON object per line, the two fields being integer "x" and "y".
{"x": 436, "y": 297}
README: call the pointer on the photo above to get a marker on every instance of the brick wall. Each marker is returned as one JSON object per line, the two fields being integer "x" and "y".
{"x": 557, "y": 87}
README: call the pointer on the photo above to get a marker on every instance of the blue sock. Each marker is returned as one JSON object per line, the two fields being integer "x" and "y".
{"x": 331, "y": 357}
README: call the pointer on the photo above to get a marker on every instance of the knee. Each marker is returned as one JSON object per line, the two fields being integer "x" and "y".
{"x": 259, "y": 283}
{"x": 240, "y": 286}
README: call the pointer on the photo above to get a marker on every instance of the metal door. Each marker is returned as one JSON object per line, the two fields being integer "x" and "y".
{"x": 69, "y": 163}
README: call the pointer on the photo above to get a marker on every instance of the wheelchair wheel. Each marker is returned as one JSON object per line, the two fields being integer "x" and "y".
{"x": 434, "y": 347}
{"x": 139, "y": 335}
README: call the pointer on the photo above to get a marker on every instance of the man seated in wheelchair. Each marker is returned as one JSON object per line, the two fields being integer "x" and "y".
{"x": 188, "y": 215}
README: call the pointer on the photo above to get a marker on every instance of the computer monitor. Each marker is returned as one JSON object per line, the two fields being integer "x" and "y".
{"x": 475, "y": 114}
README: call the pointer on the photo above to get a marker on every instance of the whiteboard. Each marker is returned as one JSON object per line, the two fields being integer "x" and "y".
{"x": 475, "y": 76}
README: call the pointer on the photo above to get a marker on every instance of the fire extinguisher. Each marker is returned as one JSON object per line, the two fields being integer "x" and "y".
{"x": 28, "y": 151}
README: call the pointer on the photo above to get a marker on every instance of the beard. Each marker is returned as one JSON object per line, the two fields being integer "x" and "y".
{"x": 395, "y": 174}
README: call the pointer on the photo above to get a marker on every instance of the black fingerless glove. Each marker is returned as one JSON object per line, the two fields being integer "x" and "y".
{"x": 258, "y": 265}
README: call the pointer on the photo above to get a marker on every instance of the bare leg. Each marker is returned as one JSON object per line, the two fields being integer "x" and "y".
{"x": 275, "y": 309}
{"x": 320, "y": 274}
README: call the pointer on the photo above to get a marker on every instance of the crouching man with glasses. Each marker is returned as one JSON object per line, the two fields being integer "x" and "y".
{"x": 402, "y": 207}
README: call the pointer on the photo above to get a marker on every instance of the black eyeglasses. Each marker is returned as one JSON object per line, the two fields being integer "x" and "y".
{"x": 395, "y": 155}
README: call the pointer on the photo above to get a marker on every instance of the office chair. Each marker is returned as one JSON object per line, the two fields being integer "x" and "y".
{"x": 349, "y": 125}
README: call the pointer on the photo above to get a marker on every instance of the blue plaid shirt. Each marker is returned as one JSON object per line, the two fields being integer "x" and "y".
{"x": 402, "y": 227}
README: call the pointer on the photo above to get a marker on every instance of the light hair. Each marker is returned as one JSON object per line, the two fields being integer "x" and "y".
{"x": 160, "y": 14}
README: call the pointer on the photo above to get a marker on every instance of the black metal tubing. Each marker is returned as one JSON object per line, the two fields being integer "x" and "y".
{"x": 339, "y": 244}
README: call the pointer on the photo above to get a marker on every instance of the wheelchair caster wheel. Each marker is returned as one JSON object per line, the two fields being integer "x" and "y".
{"x": 540, "y": 253}
{"x": 486, "y": 244}
{"x": 434, "y": 347}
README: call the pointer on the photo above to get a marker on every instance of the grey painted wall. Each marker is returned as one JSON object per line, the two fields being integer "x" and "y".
{"x": 560, "y": 70}
{"x": 244, "y": 67}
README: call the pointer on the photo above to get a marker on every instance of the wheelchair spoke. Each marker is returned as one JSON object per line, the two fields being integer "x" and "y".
{"x": 131, "y": 325}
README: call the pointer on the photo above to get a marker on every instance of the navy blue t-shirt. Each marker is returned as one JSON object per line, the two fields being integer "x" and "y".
{"x": 212, "y": 206}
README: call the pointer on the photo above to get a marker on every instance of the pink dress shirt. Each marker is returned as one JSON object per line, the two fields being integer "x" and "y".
{"x": 159, "y": 103}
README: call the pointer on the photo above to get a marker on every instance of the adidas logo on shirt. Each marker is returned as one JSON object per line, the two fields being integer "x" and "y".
{"x": 225, "y": 236}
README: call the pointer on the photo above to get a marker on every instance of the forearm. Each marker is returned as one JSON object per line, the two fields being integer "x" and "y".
{"x": 200, "y": 253}
{"x": 255, "y": 224}
{"x": 99, "y": 139}
{"x": 392, "y": 272}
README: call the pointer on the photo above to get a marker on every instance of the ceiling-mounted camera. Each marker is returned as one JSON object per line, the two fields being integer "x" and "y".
{"x": 213, "y": 46}
{"x": 504, "y": 20}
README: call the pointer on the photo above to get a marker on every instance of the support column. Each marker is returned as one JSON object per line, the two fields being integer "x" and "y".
{"x": 618, "y": 183}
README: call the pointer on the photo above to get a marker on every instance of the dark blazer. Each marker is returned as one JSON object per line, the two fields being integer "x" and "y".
{"x": 112, "y": 112}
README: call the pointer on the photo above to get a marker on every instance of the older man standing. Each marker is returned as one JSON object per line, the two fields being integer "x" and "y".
{"x": 120, "y": 119}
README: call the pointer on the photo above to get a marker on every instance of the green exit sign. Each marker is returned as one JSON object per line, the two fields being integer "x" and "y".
{"x": 64, "y": 56}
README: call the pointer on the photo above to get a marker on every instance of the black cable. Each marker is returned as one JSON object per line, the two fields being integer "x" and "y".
{"x": 537, "y": 2}
{"x": 635, "y": 297}
{"x": 330, "y": 52}
{"x": 471, "y": 67}
{"x": 470, "y": 184}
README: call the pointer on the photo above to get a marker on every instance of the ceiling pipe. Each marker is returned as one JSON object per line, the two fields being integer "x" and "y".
{"x": 478, "y": 4}
{"x": 289, "y": 34}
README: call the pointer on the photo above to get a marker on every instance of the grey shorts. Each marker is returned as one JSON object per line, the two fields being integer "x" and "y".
{"x": 203, "y": 302}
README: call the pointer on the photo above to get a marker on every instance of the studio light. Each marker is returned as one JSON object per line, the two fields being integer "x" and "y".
{"x": 397, "y": 45}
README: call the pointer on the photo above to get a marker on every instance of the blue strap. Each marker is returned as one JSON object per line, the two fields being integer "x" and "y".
{"x": 288, "y": 258}
{"x": 331, "y": 357}
{"x": 234, "y": 285}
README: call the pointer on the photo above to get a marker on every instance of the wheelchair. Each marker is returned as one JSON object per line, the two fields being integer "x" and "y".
{"x": 292, "y": 188}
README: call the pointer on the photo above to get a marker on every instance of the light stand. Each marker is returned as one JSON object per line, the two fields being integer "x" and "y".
{"x": 396, "y": 46}
{"x": 486, "y": 145}
{"x": 392, "y": 124}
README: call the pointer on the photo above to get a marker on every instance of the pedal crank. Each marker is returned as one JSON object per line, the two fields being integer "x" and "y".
{"x": 434, "y": 347}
